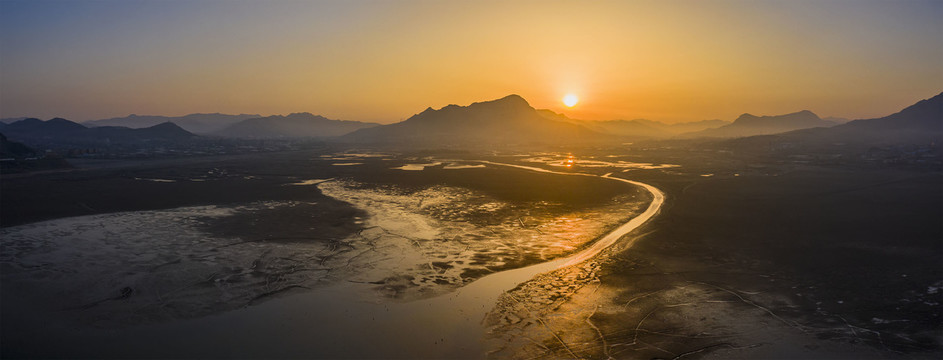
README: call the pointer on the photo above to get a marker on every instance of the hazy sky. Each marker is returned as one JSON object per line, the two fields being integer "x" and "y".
{"x": 387, "y": 60}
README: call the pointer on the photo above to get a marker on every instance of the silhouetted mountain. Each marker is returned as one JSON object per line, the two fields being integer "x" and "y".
{"x": 293, "y": 125}
{"x": 637, "y": 127}
{"x": 14, "y": 150}
{"x": 62, "y": 131}
{"x": 631, "y": 128}
{"x": 195, "y": 123}
{"x": 750, "y": 125}
{"x": 836, "y": 120}
{"x": 918, "y": 124}
{"x": 680, "y": 128}
{"x": 649, "y": 128}
{"x": 509, "y": 120}
{"x": 16, "y": 157}
{"x": 925, "y": 115}
{"x": 550, "y": 114}
{"x": 11, "y": 120}
{"x": 167, "y": 131}
{"x": 35, "y": 128}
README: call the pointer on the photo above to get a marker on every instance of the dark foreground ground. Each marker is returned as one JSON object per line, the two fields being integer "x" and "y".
{"x": 783, "y": 262}
{"x": 155, "y": 242}
{"x": 744, "y": 260}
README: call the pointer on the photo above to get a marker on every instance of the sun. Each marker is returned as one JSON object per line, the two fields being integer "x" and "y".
{"x": 570, "y": 100}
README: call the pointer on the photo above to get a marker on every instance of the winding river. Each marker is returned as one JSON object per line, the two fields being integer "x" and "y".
{"x": 336, "y": 322}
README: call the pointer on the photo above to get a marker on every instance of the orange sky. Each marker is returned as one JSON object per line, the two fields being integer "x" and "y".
{"x": 385, "y": 61}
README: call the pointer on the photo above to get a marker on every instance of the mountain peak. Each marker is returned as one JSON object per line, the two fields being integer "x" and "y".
{"x": 929, "y": 108}
{"x": 166, "y": 125}
{"x": 294, "y": 125}
{"x": 926, "y": 114}
{"x": 491, "y": 110}
{"x": 60, "y": 123}
{"x": 165, "y": 129}
{"x": 512, "y": 99}
{"x": 508, "y": 120}
{"x": 799, "y": 116}
{"x": 749, "y": 124}
{"x": 805, "y": 115}
{"x": 506, "y": 105}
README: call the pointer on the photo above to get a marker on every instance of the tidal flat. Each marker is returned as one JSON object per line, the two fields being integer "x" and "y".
{"x": 785, "y": 262}
{"x": 291, "y": 255}
{"x": 400, "y": 235}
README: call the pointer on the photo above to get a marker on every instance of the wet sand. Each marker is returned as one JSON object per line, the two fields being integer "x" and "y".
{"x": 440, "y": 327}
{"x": 264, "y": 244}
{"x": 835, "y": 264}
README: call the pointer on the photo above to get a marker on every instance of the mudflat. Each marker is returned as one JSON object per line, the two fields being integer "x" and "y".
{"x": 745, "y": 259}
{"x": 131, "y": 246}
{"x": 831, "y": 263}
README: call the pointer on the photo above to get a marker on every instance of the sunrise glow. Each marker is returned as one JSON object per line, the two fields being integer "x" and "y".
{"x": 663, "y": 61}
{"x": 570, "y": 100}
{"x": 376, "y": 179}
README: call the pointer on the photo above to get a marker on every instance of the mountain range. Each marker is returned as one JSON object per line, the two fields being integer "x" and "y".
{"x": 293, "y": 125}
{"x": 508, "y": 120}
{"x": 297, "y": 125}
{"x": 504, "y": 121}
{"x": 637, "y": 128}
{"x": 751, "y": 125}
{"x": 654, "y": 128}
{"x": 5, "y": 121}
{"x": 195, "y": 123}
{"x": 511, "y": 120}
{"x": 920, "y": 123}
{"x": 14, "y": 150}
{"x": 62, "y": 131}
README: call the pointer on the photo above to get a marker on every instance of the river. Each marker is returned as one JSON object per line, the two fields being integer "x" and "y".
{"x": 347, "y": 320}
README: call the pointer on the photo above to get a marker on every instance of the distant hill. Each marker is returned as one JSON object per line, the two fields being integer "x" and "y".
{"x": 836, "y": 120}
{"x": 925, "y": 115}
{"x": 35, "y": 128}
{"x": 750, "y": 125}
{"x": 14, "y": 150}
{"x": 637, "y": 127}
{"x": 62, "y": 131}
{"x": 650, "y": 128}
{"x": 195, "y": 123}
{"x": 505, "y": 121}
{"x": 5, "y": 121}
{"x": 630, "y": 128}
{"x": 293, "y": 125}
{"x": 681, "y": 128}
{"x": 16, "y": 157}
{"x": 918, "y": 124}
{"x": 167, "y": 131}
{"x": 624, "y": 128}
